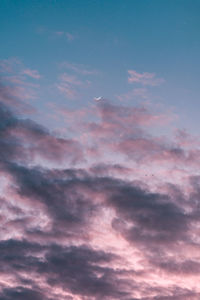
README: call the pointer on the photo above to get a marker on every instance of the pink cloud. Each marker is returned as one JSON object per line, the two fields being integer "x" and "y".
{"x": 16, "y": 90}
{"x": 41, "y": 144}
{"x": 112, "y": 213}
{"x": 144, "y": 78}
{"x": 15, "y": 96}
{"x": 69, "y": 85}
{"x": 32, "y": 73}
{"x": 66, "y": 90}
{"x": 70, "y": 79}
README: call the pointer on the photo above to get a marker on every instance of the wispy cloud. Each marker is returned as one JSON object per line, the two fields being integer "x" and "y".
{"x": 79, "y": 69}
{"x": 70, "y": 37}
{"x": 16, "y": 87}
{"x": 67, "y": 85}
{"x": 56, "y": 33}
{"x": 32, "y": 73}
{"x": 76, "y": 78}
{"x": 144, "y": 78}
{"x": 140, "y": 93}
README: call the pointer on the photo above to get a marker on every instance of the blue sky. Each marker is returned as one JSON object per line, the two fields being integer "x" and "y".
{"x": 111, "y": 37}
{"x": 99, "y": 149}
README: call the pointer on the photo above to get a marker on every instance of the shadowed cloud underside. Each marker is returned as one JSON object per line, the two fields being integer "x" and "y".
{"x": 99, "y": 172}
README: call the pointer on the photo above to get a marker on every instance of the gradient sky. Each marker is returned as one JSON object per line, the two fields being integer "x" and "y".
{"x": 99, "y": 199}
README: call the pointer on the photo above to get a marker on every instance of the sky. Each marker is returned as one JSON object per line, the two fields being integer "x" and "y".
{"x": 99, "y": 150}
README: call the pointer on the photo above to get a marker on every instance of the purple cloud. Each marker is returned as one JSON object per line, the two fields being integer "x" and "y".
{"x": 95, "y": 216}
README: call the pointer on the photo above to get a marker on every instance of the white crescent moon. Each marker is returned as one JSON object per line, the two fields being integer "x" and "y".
{"x": 98, "y": 98}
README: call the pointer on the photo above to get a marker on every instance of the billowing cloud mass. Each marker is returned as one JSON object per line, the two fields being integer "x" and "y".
{"x": 112, "y": 213}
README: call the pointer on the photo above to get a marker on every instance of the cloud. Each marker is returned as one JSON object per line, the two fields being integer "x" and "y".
{"x": 32, "y": 73}
{"x": 16, "y": 91}
{"x": 79, "y": 68}
{"x": 75, "y": 80}
{"x": 69, "y": 85}
{"x": 144, "y": 78}
{"x": 109, "y": 211}
{"x": 152, "y": 218}
{"x": 21, "y": 293}
{"x": 134, "y": 94}
{"x": 56, "y": 33}
{"x": 70, "y": 37}
{"x": 25, "y": 138}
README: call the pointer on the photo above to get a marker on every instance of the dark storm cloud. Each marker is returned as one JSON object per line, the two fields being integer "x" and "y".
{"x": 58, "y": 193}
{"x": 81, "y": 270}
{"x": 154, "y": 218}
{"x": 189, "y": 267}
{"x": 10, "y": 148}
{"x": 77, "y": 268}
{"x": 21, "y": 293}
